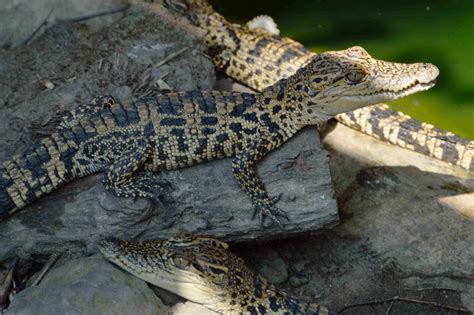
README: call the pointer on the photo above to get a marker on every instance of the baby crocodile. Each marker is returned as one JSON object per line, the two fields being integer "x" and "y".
{"x": 174, "y": 130}
{"x": 205, "y": 271}
{"x": 257, "y": 56}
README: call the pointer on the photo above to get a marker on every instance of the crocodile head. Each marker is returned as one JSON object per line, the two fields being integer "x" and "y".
{"x": 192, "y": 267}
{"x": 204, "y": 270}
{"x": 341, "y": 81}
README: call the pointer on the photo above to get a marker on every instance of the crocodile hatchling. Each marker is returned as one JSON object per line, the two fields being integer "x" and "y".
{"x": 203, "y": 270}
{"x": 255, "y": 55}
{"x": 174, "y": 130}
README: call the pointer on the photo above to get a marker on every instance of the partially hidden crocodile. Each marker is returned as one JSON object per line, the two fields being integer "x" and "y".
{"x": 204, "y": 270}
{"x": 257, "y": 56}
{"x": 174, "y": 130}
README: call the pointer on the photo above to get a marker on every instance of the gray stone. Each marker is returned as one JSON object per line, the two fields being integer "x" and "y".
{"x": 88, "y": 285}
{"x": 122, "y": 93}
{"x": 21, "y": 21}
{"x": 191, "y": 308}
{"x": 274, "y": 266}
{"x": 298, "y": 281}
{"x": 408, "y": 199}
{"x": 406, "y": 230}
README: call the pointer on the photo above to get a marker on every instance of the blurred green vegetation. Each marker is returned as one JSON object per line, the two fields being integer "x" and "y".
{"x": 436, "y": 31}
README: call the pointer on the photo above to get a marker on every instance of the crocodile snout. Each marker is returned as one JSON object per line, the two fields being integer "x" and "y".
{"x": 426, "y": 73}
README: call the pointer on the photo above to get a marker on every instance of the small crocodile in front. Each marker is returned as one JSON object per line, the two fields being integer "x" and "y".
{"x": 134, "y": 141}
{"x": 205, "y": 271}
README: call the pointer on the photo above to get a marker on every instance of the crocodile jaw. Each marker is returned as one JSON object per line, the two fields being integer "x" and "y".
{"x": 156, "y": 268}
{"x": 182, "y": 284}
{"x": 388, "y": 95}
{"x": 352, "y": 102}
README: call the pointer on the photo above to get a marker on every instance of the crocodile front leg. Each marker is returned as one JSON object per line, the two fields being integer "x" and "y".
{"x": 250, "y": 182}
{"x": 124, "y": 177}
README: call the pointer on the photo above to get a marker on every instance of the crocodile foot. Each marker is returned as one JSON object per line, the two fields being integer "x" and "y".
{"x": 266, "y": 208}
{"x": 145, "y": 185}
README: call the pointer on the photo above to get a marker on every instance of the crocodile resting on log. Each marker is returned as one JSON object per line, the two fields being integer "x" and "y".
{"x": 204, "y": 270}
{"x": 257, "y": 56}
{"x": 174, "y": 130}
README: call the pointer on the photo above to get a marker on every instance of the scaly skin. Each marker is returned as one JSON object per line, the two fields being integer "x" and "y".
{"x": 205, "y": 271}
{"x": 399, "y": 129}
{"x": 257, "y": 56}
{"x": 174, "y": 130}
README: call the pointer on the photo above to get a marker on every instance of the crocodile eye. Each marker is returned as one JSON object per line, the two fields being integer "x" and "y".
{"x": 181, "y": 262}
{"x": 355, "y": 76}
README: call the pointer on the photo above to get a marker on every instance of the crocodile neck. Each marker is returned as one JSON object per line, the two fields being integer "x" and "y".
{"x": 287, "y": 102}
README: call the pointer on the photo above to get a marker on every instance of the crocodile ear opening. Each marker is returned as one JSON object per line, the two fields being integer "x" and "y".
{"x": 199, "y": 266}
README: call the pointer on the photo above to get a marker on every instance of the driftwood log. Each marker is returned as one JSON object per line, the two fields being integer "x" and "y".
{"x": 203, "y": 199}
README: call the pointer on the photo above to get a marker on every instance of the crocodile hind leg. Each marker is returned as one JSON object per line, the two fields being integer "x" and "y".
{"x": 124, "y": 178}
{"x": 250, "y": 182}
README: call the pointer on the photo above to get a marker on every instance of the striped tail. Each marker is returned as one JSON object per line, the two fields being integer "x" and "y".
{"x": 6, "y": 203}
{"x": 297, "y": 306}
{"x": 39, "y": 170}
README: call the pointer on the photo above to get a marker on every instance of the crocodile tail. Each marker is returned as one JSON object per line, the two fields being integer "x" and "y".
{"x": 297, "y": 306}
{"x": 400, "y": 129}
{"x": 39, "y": 170}
{"x": 6, "y": 203}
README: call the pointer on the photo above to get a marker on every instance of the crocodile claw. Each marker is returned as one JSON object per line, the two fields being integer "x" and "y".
{"x": 272, "y": 213}
{"x": 266, "y": 208}
{"x": 145, "y": 185}
{"x": 150, "y": 186}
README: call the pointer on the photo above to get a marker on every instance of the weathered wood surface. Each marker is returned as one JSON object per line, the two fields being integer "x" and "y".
{"x": 204, "y": 199}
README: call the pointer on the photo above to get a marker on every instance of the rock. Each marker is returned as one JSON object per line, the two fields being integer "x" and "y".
{"x": 274, "y": 267}
{"x": 408, "y": 199}
{"x": 191, "y": 308}
{"x": 300, "y": 266}
{"x": 88, "y": 285}
{"x": 168, "y": 298}
{"x": 21, "y": 21}
{"x": 406, "y": 230}
{"x": 298, "y": 281}
{"x": 123, "y": 93}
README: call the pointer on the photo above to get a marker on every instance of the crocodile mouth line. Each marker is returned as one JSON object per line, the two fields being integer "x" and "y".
{"x": 415, "y": 87}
